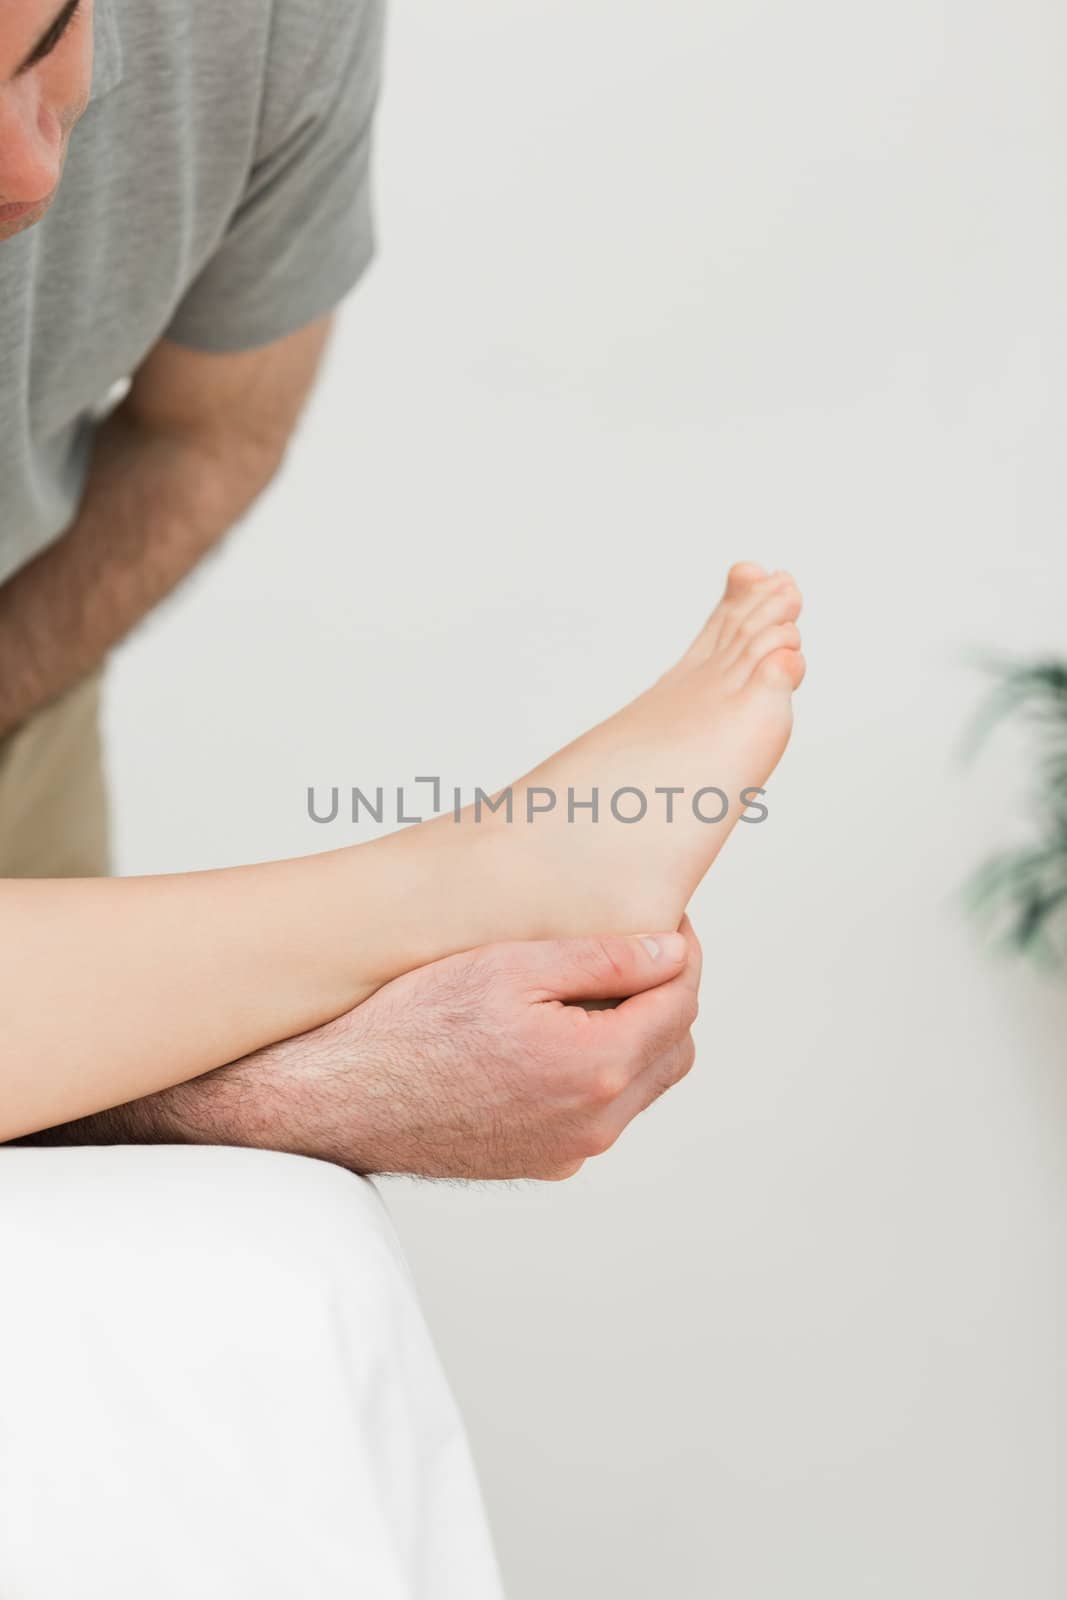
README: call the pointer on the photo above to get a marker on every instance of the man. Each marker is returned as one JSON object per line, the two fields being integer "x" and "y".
{"x": 184, "y": 201}
{"x": 196, "y": 190}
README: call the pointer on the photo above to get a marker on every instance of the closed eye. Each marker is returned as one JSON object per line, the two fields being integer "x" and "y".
{"x": 51, "y": 40}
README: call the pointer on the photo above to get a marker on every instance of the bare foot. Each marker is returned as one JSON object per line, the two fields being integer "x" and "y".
{"x": 717, "y": 721}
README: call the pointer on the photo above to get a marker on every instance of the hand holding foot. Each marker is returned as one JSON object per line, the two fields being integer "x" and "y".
{"x": 479, "y": 1066}
{"x": 238, "y": 958}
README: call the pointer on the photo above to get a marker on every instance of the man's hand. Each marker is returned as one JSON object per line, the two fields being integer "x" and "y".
{"x": 484, "y": 1065}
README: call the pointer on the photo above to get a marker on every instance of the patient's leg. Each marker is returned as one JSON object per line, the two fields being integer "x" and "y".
{"x": 122, "y": 987}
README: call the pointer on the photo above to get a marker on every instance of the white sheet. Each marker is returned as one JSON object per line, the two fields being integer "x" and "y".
{"x": 215, "y": 1381}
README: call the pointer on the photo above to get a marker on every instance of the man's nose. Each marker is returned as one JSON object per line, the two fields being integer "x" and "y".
{"x": 30, "y": 146}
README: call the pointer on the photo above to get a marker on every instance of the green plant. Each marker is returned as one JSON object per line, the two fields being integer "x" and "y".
{"x": 1024, "y": 890}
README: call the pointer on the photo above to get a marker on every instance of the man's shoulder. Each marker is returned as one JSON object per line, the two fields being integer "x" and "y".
{"x": 325, "y": 53}
{"x": 279, "y": 54}
{"x": 284, "y": 38}
{"x": 299, "y": 30}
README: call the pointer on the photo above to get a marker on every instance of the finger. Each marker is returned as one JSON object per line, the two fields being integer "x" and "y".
{"x": 662, "y": 1074}
{"x": 692, "y": 971}
{"x": 599, "y": 969}
{"x": 670, "y": 1025}
{"x": 648, "y": 1025}
{"x": 694, "y": 967}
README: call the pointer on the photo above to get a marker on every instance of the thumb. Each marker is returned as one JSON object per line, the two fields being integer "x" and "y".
{"x": 610, "y": 968}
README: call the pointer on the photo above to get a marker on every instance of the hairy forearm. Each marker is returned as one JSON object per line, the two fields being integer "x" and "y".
{"x": 122, "y": 988}
{"x": 156, "y": 500}
{"x": 117, "y": 988}
{"x": 214, "y": 1109}
{"x": 272, "y": 1099}
{"x": 150, "y": 1121}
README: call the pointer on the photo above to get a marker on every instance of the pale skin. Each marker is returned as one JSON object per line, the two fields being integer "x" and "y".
{"x": 117, "y": 990}
{"x": 238, "y": 958}
{"x": 477, "y": 1066}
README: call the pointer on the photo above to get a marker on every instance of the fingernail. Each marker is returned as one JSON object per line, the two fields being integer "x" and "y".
{"x": 652, "y": 946}
{"x": 665, "y": 945}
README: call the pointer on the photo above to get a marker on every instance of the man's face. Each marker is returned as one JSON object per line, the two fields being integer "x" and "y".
{"x": 46, "y": 72}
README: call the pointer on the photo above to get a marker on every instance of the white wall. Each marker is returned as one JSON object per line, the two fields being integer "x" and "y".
{"x": 661, "y": 287}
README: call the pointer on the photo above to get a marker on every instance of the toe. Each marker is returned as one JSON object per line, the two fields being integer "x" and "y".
{"x": 775, "y": 602}
{"x": 737, "y": 610}
{"x": 780, "y": 636}
{"x": 782, "y": 669}
{"x": 748, "y": 586}
{"x": 741, "y": 580}
{"x": 741, "y": 576}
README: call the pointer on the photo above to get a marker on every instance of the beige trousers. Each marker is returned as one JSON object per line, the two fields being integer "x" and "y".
{"x": 54, "y": 819}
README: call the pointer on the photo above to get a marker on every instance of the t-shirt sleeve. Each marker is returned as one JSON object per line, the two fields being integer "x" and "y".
{"x": 303, "y": 233}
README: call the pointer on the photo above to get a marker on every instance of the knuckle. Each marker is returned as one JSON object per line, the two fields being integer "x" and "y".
{"x": 602, "y": 959}
{"x": 677, "y": 1065}
{"x": 499, "y": 963}
{"x": 606, "y": 1083}
{"x": 685, "y": 1014}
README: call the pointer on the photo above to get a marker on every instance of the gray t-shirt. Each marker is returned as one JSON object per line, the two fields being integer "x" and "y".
{"x": 216, "y": 191}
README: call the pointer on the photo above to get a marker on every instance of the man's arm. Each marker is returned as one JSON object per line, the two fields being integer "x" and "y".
{"x": 174, "y": 467}
{"x": 473, "y": 1067}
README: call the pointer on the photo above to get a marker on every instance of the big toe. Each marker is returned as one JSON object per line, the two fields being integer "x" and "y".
{"x": 741, "y": 576}
{"x": 740, "y": 593}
